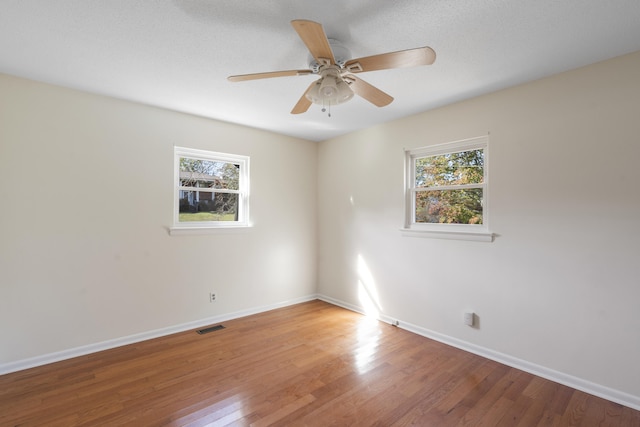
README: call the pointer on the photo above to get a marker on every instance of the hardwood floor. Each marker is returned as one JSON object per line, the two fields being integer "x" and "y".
{"x": 309, "y": 364}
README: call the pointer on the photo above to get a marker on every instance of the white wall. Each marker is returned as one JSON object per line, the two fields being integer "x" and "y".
{"x": 86, "y": 198}
{"x": 560, "y": 285}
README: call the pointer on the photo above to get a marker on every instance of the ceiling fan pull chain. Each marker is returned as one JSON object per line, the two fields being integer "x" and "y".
{"x": 324, "y": 108}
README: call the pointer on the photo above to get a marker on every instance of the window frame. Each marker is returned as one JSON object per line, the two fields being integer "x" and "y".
{"x": 478, "y": 232}
{"x": 197, "y": 227}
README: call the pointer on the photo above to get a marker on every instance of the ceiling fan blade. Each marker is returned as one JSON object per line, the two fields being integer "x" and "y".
{"x": 313, "y": 36}
{"x": 303, "y": 103}
{"x": 243, "y": 77}
{"x": 368, "y": 92}
{"x": 400, "y": 59}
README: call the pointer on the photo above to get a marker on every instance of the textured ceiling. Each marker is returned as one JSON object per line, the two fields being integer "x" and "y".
{"x": 177, "y": 53}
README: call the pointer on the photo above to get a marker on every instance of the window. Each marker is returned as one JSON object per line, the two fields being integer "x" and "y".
{"x": 211, "y": 190}
{"x": 447, "y": 190}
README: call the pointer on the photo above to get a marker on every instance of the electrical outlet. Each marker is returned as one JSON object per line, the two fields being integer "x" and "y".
{"x": 469, "y": 318}
{"x": 212, "y": 297}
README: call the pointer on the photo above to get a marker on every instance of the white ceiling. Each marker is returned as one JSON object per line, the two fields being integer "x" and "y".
{"x": 177, "y": 53}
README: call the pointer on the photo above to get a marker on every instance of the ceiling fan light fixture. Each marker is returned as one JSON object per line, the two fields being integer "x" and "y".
{"x": 328, "y": 87}
{"x": 330, "y": 90}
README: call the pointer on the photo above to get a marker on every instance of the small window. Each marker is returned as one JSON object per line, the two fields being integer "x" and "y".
{"x": 447, "y": 187}
{"x": 211, "y": 190}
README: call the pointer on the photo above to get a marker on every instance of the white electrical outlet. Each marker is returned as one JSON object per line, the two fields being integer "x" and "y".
{"x": 212, "y": 297}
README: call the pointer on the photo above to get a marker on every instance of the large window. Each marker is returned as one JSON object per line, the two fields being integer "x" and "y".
{"x": 211, "y": 189}
{"x": 447, "y": 187}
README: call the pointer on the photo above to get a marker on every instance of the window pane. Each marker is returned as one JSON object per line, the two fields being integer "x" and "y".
{"x": 449, "y": 206}
{"x": 208, "y": 174}
{"x": 466, "y": 167}
{"x": 205, "y": 206}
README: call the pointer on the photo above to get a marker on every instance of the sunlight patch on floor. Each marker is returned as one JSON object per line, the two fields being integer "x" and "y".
{"x": 368, "y": 343}
{"x": 220, "y": 413}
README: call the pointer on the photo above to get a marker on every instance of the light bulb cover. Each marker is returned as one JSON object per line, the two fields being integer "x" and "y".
{"x": 330, "y": 90}
{"x": 328, "y": 87}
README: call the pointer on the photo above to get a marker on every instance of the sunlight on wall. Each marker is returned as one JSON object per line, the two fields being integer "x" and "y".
{"x": 369, "y": 327}
{"x": 367, "y": 292}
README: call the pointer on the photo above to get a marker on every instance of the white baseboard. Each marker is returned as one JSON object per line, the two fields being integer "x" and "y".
{"x": 132, "y": 339}
{"x": 604, "y": 392}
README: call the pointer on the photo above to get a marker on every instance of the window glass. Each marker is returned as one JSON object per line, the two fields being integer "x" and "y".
{"x": 207, "y": 174}
{"x": 211, "y": 189}
{"x": 466, "y": 167}
{"x": 449, "y": 206}
{"x": 447, "y": 186}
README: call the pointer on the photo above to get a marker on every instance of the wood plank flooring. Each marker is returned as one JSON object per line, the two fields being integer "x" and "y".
{"x": 311, "y": 364}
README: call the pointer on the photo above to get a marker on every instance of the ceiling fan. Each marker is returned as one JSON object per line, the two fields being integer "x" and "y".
{"x": 337, "y": 82}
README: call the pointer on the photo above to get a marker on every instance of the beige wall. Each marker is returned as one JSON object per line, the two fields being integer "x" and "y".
{"x": 560, "y": 285}
{"x": 86, "y": 190}
{"x": 87, "y": 196}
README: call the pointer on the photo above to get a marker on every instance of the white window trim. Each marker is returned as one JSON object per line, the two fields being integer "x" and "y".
{"x": 208, "y": 227}
{"x": 471, "y": 232}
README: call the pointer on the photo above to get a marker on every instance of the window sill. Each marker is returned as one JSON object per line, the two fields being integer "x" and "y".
{"x": 474, "y": 236}
{"x": 180, "y": 231}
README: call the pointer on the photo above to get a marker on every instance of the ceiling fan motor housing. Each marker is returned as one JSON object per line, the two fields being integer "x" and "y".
{"x": 340, "y": 53}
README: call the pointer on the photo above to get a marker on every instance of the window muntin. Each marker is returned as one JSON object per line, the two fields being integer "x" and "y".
{"x": 211, "y": 189}
{"x": 447, "y": 186}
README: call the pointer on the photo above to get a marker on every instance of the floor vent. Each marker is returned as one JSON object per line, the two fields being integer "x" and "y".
{"x": 210, "y": 329}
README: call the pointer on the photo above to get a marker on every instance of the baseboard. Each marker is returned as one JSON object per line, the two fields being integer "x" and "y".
{"x": 604, "y": 392}
{"x": 132, "y": 339}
